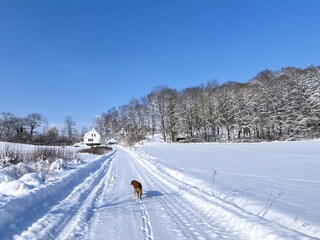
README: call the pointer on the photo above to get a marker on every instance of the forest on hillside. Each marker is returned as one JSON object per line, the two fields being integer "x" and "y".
{"x": 274, "y": 105}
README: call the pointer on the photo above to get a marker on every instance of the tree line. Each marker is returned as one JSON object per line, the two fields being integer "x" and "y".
{"x": 274, "y": 105}
{"x": 26, "y": 130}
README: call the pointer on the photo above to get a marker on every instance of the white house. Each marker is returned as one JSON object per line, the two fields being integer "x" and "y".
{"x": 92, "y": 138}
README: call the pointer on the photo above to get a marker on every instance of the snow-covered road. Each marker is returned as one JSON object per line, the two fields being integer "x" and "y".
{"x": 97, "y": 202}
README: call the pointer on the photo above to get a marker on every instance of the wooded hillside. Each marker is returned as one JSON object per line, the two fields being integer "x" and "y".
{"x": 280, "y": 105}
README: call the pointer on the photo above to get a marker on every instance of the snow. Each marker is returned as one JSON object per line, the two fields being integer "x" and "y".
{"x": 190, "y": 191}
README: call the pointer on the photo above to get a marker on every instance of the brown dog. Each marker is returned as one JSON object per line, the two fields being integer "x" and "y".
{"x": 137, "y": 188}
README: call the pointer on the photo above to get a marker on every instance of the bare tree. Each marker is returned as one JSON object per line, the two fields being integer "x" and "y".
{"x": 167, "y": 102}
{"x": 33, "y": 121}
{"x": 7, "y": 126}
{"x": 70, "y": 130}
{"x": 53, "y": 135}
{"x": 152, "y": 112}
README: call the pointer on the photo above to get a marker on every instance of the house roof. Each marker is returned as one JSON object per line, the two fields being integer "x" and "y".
{"x": 90, "y": 132}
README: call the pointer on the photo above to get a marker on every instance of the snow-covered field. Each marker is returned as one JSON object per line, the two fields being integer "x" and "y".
{"x": 191, "y": 191}
{"x": 279, "y": 181}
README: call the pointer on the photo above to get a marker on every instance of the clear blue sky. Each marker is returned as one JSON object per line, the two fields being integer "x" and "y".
{"x": 80, "y": 58}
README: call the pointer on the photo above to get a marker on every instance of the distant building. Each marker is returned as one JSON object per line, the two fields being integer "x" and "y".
{"x": 92, "y": 138}
{"x": 112, "y": 141}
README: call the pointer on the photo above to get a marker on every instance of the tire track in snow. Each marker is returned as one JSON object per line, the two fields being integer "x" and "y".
{"x": 71, "y": 213}
{"x": 147, "y": 227}
{"x": 146, "y": 222}
{"x": 119, "y": 215}
{"x": 77, "y": 228}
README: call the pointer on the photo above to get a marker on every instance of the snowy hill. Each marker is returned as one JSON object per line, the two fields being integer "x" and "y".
{"x": 191, "y": 191}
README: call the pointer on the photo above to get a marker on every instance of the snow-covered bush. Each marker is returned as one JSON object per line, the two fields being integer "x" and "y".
{"x": 58, "y": 165}
{"x": 6, "y": 175}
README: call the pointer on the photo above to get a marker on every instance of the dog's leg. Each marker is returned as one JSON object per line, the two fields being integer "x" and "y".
{"x": 140, "y": 194}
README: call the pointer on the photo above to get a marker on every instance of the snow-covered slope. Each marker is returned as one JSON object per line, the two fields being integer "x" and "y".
{"x": 181, "y": 200}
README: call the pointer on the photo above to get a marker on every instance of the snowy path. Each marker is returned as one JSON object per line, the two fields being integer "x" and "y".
{"x": 171, "y": 215}
{"x": 98, "y": 203}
